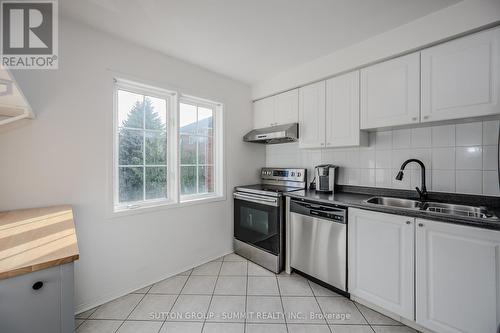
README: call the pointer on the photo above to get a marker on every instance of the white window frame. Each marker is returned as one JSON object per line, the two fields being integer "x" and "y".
{"x": 218, "y": 146}
{"x": 174, "y": 199}
{"x": 171, "y": 103}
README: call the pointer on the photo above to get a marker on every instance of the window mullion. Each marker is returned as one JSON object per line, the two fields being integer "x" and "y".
{"x": 197, "y": 149}
{"x": 144, "y": 148}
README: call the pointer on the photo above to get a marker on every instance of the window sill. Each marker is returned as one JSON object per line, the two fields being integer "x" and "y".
{"x": 164, "y": 205}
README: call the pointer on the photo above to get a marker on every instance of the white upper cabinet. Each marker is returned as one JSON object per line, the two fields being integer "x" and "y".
{"x": 277, "y": 110}
{"x": 461, "y": 78}
{"x": 287, "y": 107}
{"x": 13, "y": 104}
{"x": 263, "y": 112}
{"x": 390, "y": 93}
{"x": 381, "y": 260}
{"x": 458, "y": 278}
{"x": 342, "y": 111}
{"x": 312, "y": 107}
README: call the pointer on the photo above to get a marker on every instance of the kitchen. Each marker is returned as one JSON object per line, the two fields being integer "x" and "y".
{"x": 341, "y": 182}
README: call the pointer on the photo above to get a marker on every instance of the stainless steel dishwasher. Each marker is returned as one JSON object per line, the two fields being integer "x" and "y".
{"x": 318, "y": 242}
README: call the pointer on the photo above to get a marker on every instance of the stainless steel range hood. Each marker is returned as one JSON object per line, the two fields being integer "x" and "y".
{"x": 274, "y": 134}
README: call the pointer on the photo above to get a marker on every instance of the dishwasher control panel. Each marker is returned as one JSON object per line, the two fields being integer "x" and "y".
{"x": 333, "y": 213}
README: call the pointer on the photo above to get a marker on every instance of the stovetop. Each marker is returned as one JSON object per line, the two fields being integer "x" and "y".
{"x": 267, "y": 189}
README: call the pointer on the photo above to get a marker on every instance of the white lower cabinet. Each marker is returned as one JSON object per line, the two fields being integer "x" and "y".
{"x": 381, "y": 254}
{"x": 457, "y": 278}
{"x": 40, "y": 302}
{"x": 453, "y": 271}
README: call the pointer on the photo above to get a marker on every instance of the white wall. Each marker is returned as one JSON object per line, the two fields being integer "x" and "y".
{"x": 64, "y": 156}
{"x": 457, "y": 19}
{"x": 459, "y": 158}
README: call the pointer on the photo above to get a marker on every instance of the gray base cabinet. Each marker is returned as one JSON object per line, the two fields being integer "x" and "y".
{"x": 40, "y": 302}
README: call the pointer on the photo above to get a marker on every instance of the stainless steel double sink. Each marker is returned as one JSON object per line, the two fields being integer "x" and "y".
{"x": 435, "y": 207}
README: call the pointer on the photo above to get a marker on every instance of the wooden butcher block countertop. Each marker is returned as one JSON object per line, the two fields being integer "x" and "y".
{"x": 35, "y": 239}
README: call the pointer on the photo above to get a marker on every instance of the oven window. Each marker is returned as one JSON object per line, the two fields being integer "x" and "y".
{"x": 257, "y": 224}
{"x": 255, "y": 220}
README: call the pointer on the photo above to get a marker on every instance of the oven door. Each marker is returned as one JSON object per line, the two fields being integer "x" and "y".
{"x": 257, "y": 221}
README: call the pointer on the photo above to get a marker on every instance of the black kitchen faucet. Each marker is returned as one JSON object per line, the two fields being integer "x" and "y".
{"x": 422, "y": 191}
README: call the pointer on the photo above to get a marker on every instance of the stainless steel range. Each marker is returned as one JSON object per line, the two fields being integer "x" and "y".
{"x": 259, "y": 212}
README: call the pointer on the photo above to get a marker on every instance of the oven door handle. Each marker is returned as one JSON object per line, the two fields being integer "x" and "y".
{"x": 257, "y": 199}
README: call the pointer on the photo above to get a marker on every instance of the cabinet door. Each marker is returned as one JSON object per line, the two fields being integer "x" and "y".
{"x": 390, "y": 93}
{"x": 312, "y": 115}
{"x": 287, "y": 107}
{"x": 23, "y": 309}
{"x": 263, "y": 112}
{"x": 342, "y": 111}
{"x": 458, "y": 278}
{"x": 381, "y": 257}
{"x": 461, "y": 78}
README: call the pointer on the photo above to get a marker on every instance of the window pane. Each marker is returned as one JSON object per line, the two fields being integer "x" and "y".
{"x": 131, "y": 184}
{"x": 188, "y": 180}
{"x": 130, "y": 109}
{"x": 188, "y": 149}
{"x": 187, "y": 121}
{"x": 205, "y": 179}
{"x": 205, "y": 121}
{"x": 205, "y": 150}
{"x": 130, "y": 147}
{"x": 156, "y": 182}
{"x": 155, "y": 113}
{"x": 156, "y": 148}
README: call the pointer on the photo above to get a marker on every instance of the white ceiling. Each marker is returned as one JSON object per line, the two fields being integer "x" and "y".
{"x": 248, "y": 40}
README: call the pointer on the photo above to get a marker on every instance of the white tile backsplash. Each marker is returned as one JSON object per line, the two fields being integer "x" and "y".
{"x": 490, "y": 132}
{"x": 443, "y": 158}
{"x": 490, "y": 158}
{"x": 398, "y": 157}
{"x": 490, "y": 183}
{"x": 367, "y": 158}
{"x": 367, "y": 177}
{"x": 401, "y": 139}
{"x": 443, "y": 180}
{"x": 469, "y": 158}
{"x": 443, "y": 136}
{"x": 470, "y": 134}
{"x": 383, "y": 178}
{"x": 458, "y": 158}
{"x": 469, "y": 181}
{"x": 421, "y": 137}
{"x": 383, "y": 159}
{"x": 383, "y": 140}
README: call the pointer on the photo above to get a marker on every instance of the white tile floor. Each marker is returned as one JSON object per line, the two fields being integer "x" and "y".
{"x": 212, "y": 298}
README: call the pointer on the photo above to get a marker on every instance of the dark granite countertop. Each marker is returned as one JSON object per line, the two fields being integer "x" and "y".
{"x": 351, "y": 196}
